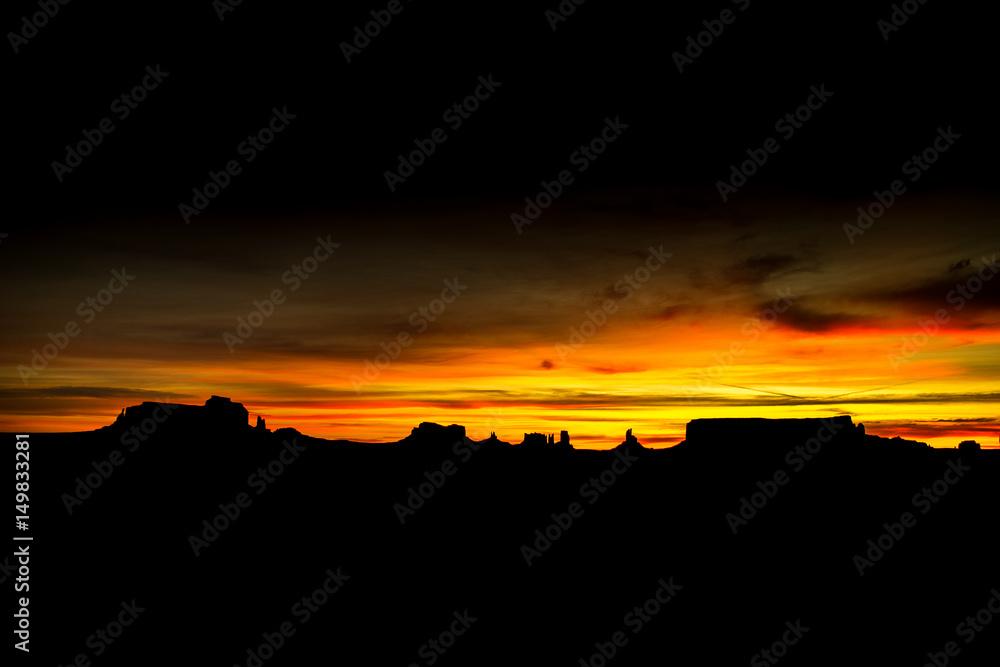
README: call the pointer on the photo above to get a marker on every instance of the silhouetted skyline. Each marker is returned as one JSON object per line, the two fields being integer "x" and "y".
{"x": 705, "y": 216}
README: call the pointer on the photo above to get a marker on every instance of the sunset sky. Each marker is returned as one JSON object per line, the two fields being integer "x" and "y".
{"x": 502, "y": 355}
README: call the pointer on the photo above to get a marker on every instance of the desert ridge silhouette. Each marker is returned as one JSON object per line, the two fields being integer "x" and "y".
{"x": 279, "y": 548}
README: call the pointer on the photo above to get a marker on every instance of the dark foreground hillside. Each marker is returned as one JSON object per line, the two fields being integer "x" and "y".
{"x": 635, "y": 560}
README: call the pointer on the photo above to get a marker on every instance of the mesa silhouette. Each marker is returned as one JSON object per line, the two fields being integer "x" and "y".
{"x": 563, "y": 556}
{"x": 724, "y": 436}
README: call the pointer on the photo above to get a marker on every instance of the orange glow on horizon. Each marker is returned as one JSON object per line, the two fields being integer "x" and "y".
{"x": 762, "y": 309}
{"x": 620, "y": 378}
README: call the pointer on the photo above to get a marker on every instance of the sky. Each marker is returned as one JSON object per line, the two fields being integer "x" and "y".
{"x": 605, "y": 235}
{"x": 748, "y": 310}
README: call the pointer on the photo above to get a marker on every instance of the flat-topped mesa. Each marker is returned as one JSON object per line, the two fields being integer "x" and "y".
{"x": 750, "y": 434}
{"x": 218, "y": 413}
{"x": 737, "y": 432}
{"x": 429, "y": 432}
{"x": 228, "y": 412}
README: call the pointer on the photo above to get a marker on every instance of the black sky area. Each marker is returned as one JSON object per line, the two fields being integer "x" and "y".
{"x": 606, "y": 60}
